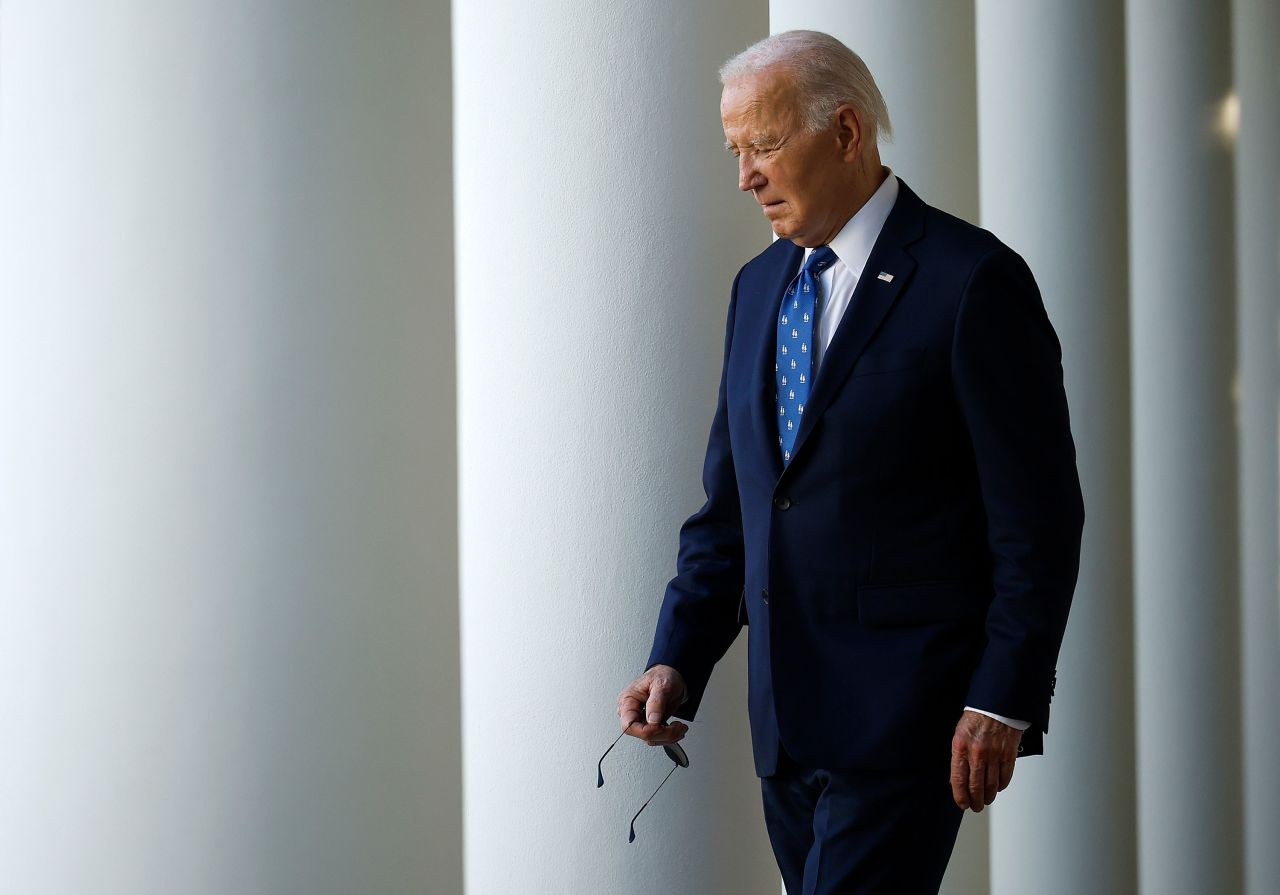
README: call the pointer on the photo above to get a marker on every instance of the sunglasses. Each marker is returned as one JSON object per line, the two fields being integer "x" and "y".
{"x": 674, "y": 751}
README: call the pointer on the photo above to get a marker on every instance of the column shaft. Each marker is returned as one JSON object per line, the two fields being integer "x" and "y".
{"x": 1184, "y": 453}
{"x": 599, "y": 231}
{"x": 921, "y": 54}
{"x": 228, "y": 651}
{"x": 1256, "y": 34}
{"x": 1052, "y": 152}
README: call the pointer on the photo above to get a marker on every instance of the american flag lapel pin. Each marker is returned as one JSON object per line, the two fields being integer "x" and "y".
{"x": 887, "y": 277}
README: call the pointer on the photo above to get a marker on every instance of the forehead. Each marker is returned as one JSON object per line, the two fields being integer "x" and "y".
{"x": 762, "y": 101}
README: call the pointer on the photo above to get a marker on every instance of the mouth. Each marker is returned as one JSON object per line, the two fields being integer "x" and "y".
{"x": 766, "y": 207}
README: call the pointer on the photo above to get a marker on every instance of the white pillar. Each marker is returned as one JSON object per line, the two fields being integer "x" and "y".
{"x": 1255, "y": 36}
{"x": 969, "y": 872}
{"x": 227, "y": 610}
{"x": 921, "y": 54}
{"x": 1051, "y": 142}
{"x": 599, "y": 231}
{"x": 1184, "y": 454}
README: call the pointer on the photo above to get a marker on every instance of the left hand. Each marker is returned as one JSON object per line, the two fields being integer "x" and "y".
{"x": 983, "y": 751}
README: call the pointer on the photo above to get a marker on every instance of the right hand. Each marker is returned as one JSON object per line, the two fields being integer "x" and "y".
{"x": 645, "y": 704}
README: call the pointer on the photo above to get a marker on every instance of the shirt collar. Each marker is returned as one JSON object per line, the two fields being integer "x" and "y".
{"x": 856, "y": 238}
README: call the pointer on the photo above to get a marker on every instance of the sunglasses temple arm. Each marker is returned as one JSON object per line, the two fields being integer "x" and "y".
{"x": 600, "y": 764}
{"x": 632, "y": 836}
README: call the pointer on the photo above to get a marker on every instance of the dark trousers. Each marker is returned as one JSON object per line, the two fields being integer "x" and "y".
{"x": 850, "y": 832}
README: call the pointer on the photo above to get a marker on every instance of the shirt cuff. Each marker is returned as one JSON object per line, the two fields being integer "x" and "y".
{"x": 1012, "y": 722}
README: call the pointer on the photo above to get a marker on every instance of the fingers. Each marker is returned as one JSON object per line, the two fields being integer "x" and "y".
{"x": 959, "y": 778}
{"x": 631, "y": 707}
{"x": 984, "y": 780}
{"x": 977, "y": 782}
{"x": 1006, "y": 773}
{"x": 983, "y": 754}
{"x": 666, "y": 689}
{"x": 663, "y": 734}
{"x": 991, "y": 781}
{"x": 656, "y": 709}
{"x": 645, "y": 704}
{"x": 657, "y": 734}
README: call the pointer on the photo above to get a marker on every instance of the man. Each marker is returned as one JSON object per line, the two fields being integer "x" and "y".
{"x": 892, "y": 504}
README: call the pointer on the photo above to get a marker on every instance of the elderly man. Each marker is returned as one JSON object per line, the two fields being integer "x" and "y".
{"x": 892, "y": 504}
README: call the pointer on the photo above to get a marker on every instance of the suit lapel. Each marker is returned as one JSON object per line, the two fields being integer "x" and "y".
{"x": 872, "y": 300}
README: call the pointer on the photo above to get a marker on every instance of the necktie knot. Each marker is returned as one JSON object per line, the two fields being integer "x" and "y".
{"x": 820, "y": 259}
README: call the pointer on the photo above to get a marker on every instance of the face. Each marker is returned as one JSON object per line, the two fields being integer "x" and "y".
{"x": 799, "y": 179}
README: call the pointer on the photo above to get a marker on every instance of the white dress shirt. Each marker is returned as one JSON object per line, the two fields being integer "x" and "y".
{"x": 852, "y": 246}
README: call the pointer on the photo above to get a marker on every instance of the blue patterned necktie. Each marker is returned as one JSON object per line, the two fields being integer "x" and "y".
{"x": 793, "y": 372}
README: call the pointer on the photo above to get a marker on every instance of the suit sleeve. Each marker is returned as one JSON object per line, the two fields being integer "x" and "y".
{"x": 698, "y": 619}
{"x": 1007, "y": 373}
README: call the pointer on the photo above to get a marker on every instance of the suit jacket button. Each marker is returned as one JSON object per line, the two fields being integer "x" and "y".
{"x": 764, "y": 595}
{"x": 782, "y": 503}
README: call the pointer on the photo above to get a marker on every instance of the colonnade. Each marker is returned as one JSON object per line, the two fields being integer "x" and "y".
{"x": 356, "y": 377}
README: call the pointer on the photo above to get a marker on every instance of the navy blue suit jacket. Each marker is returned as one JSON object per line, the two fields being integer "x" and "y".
{"x": 920, "y": 551}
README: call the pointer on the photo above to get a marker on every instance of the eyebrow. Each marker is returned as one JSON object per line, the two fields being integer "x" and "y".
{"x": 757, "y": 140}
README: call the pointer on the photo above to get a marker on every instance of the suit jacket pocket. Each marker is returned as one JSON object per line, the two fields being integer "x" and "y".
{"x": 889, "y": 361}
{"x": 884, "y": 605}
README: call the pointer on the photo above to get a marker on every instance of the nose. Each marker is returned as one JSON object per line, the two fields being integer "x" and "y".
{"x": 749, "y": 176}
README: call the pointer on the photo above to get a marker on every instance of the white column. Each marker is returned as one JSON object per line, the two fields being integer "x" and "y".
{"x": 1184, "y": 454}
{"x": 1052, "y": 151}
{"x": 599, "y": 231}
{"x": 921, "y": 54}
{"x": 227, "y": 568}
{"x": 1255, "y": 36}
{"x": 969, "y": 872}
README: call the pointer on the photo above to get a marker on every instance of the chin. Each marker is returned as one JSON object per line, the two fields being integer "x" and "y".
{"x": 787, "y": 227}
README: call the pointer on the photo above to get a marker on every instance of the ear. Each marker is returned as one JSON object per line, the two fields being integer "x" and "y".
{"x": 849, "y": 131}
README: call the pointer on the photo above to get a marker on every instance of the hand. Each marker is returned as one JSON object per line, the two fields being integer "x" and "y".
{"x": 645, "y": 704}
{"x": 983, "y": 751}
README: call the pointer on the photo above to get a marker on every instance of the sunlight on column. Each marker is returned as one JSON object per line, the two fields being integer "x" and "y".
{"x": 1226, "y": 119}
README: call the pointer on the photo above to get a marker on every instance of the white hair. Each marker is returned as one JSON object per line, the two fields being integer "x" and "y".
{"x": 826, "y": 73}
